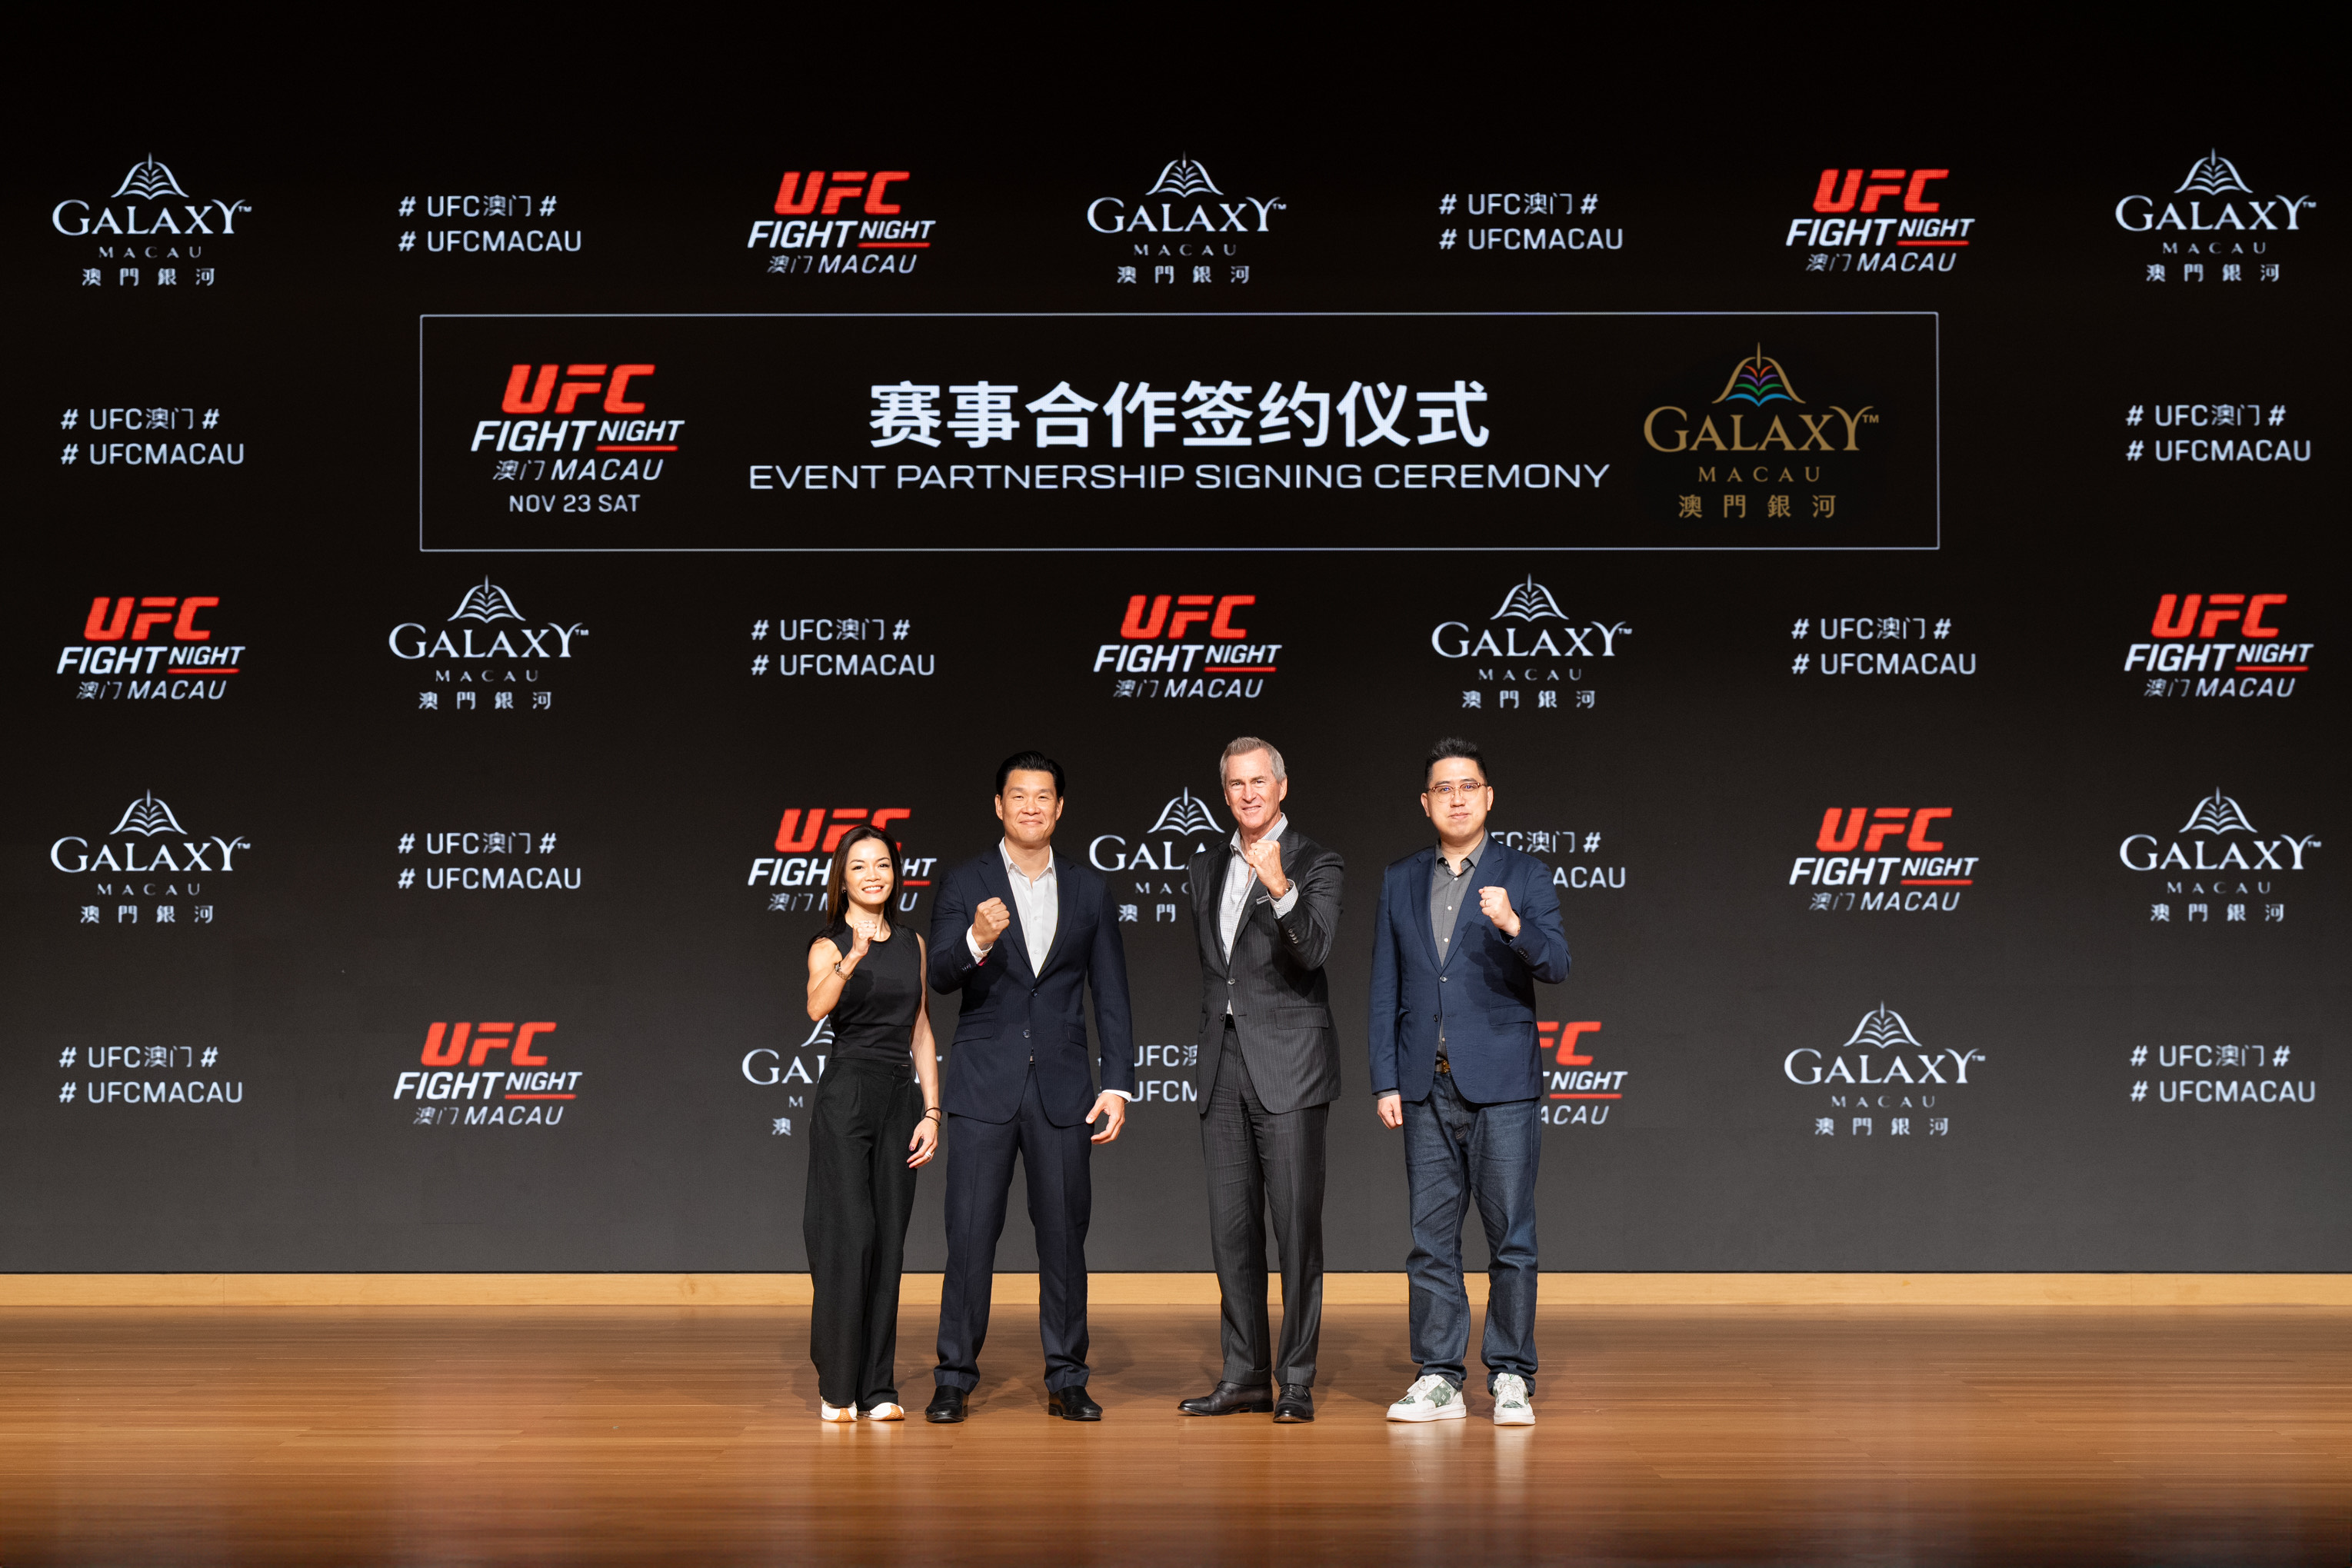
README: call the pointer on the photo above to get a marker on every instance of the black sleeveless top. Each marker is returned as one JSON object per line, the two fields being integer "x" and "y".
{"x": 875, "y": 1018}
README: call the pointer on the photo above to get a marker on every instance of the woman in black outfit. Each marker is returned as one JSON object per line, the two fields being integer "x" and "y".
{"x": 875, "y": 1124}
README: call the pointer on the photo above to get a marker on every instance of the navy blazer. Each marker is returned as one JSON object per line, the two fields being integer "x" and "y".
{"x": 1484, "y": 992}
{"x": 1010, "y": 1013}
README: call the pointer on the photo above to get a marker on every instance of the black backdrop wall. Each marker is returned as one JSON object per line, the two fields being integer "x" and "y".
{"x": 461, "y": 584}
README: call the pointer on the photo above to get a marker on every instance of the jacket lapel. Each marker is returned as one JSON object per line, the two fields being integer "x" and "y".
{"x": 999, "y": 883}
{"x": 1062, "y": 898}
{"x": 1417, "y": 903}
{"x": 1211, "y": 910}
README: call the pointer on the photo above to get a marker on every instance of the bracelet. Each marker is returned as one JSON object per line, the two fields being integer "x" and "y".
{"x": 933, "y": 1111}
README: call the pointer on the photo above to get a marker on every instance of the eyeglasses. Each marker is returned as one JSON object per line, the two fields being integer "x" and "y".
{"x": 1447, "y": 788}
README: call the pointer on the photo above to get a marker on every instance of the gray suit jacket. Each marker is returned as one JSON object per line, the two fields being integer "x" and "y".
{"x": 1281, "y": 1002}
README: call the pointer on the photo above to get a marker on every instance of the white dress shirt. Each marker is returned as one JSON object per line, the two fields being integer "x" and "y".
{"x": 1240, "y": 877}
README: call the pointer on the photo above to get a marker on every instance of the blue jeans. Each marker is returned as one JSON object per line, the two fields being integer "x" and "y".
{"x": 1455, "y": 1152}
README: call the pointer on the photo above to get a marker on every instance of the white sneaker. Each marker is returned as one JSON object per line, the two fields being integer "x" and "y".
{"x": 1431, "y": 1399}
{"x": 885, "y": 1411}
{"x": 1513, "y": 1406}
{"x": 836, "y": 1412}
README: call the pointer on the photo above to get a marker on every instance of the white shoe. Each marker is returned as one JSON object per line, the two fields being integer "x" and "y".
{"x": 1513, "y": 1406}
{"x": 885, "y": 1411}
{"x": 836, "y": 1412}
{"x": 1431, "y": 1399}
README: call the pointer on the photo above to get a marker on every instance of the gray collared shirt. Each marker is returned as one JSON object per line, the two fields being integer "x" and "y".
{"x": 1449, "y": 891}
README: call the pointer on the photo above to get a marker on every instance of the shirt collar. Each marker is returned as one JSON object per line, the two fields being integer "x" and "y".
{"x": 1274, "y": 833}
{"x": 1468, "y": 861}
{"x": 1005, "y": 849}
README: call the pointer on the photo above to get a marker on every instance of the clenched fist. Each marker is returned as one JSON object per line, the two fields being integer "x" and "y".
{"x": 989, "y": 922}
{"x": 1495, "y": 905}
{"x": 1264, "y": 858}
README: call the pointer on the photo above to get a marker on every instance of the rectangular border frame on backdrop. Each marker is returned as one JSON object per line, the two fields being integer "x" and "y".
{"x": 1935, "y": 319}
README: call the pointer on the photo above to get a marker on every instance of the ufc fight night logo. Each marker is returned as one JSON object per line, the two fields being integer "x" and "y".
{"x": 458, "y": 1088}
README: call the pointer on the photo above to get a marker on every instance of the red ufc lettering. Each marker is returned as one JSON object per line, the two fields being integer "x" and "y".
{"x": 785, "y": 204}
{"x": 2169, "y": 623}
{"x": 841, "y": 193}
{"x": 795, "y": 200}
{"x": 571, "y": 392}
{"x": 1187, "y": 618}
{"x": 435, "y": 1056}
{"x": 444, "y": 1046}
{"x": 1135, "y": 628}
{"x": 1831, "y": 197}
{"x": 794, "y": 838}
{"x": 515, "y": 402}
{"x": 183, "y": 629}
{"x": 1887, "y": 823}
{"x": 1192, "y": 610}
{"x": 98, "y": 629}
{"x": 2213, "y": 618}
{"x": 522, "y": 1056}
{"x": 152, "y": 612}
{"x": 622, "y": 376}
{"x": 1874, "y": 191}
{"x": 1569, "y": 1032}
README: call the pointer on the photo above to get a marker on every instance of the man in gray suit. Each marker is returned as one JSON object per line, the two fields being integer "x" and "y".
{"x": 1266, "y": 906}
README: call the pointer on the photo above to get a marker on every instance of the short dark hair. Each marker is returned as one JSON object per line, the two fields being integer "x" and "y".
{"x": 1455, "y": 745}
{"x": 1029, "y": 762}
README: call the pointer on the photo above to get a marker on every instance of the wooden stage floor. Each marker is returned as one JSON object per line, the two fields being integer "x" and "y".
{"x": 1731, "y": 1435}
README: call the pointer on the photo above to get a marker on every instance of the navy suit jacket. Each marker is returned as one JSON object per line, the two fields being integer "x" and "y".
{"x": 1484, "y": 992}
{"x": 1010, "y": 1012}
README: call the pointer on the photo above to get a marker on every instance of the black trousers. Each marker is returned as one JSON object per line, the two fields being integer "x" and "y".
{"x": 860, "y": 1193}
{"x": 1061, "y": 1199}
{"x": 1257, "y": 1161}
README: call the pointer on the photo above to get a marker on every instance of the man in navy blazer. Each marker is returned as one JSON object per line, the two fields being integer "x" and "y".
{"x": 1463, "y": 933}
{"x": 1022, "y": 934}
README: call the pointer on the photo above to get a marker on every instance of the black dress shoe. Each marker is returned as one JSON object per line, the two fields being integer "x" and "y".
{"x": 1229, "y": 1399}
{"x": 1072, "y": 1403}
{"x": 1297, "y": 1404}
{"x": 946, "y": 1407}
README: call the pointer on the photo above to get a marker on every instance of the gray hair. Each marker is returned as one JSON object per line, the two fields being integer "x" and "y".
{"x": 1241, "y": 745}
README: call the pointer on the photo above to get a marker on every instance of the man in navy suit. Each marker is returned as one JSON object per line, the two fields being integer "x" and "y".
{"x": 1463, "y": 933}
{"x": 1021, "y": 935}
